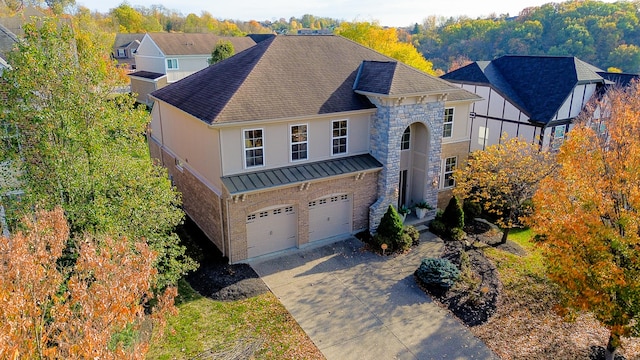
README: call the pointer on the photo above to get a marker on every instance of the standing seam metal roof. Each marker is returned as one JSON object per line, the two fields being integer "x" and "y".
{"x": 265, "y": 179}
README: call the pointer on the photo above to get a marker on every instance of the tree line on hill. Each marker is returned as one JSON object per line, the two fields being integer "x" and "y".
{"x": 606, "y": 35}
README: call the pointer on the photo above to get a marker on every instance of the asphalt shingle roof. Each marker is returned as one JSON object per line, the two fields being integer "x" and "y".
{"x": 8, "y": 41}
{"x": 196, "y": 43}
{"x": 287, "y": 76}
{"x": 538, "y": 85}
{"x": 264, "y": 179}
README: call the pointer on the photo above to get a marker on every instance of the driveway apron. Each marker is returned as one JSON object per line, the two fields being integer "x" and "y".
{"x": 355, "y": 304}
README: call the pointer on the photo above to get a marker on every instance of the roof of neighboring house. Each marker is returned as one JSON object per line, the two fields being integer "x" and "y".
{"x": 538, "y": 85}
{"x": 147, "y": 75}
{"x": 619, "y": 79}
{"x": 124, "y": 40}
{"x": 259, "y": 180}
{"x": 7, "y": 42}
{"x": 298, "y": 75}
{"x": 196, "y": 43}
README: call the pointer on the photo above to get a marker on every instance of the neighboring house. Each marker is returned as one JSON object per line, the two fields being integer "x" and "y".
{"x": 174, "y": 57}
{"x": 124, "y": 49}
{"x": 535, "y": 97}
{"x": 8, "y": 41}
{"x": 301, "y": 139}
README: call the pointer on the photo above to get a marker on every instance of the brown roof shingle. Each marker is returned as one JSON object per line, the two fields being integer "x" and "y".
{"x": 196, "y": 43}
{"x": 287, "y": 76}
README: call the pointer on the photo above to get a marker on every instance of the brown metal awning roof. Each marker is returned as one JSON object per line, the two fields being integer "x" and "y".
{"x": 264, "y": 179}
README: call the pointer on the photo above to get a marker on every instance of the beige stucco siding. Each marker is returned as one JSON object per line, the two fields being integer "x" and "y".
{"x": 276, "y": 137}
{"x": 461, "y": 125}
{"x": 459, "y": 150}
{"x": 189, "y": 139}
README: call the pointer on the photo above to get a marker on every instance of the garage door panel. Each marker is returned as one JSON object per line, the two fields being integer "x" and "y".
{"x": 329, "y": 216}
{"x": 271, "y": 230}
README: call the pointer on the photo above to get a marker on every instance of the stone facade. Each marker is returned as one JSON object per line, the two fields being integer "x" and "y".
{"x": 388, "y": 125}
{"x": 362, "y": 192}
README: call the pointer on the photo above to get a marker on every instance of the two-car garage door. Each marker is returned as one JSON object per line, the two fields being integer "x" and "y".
{"x": 274, "y": 229}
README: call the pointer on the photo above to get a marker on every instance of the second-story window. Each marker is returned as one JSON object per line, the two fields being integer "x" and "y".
{"x": 406, "y": 137}
{"x": 253, "y": 148}
{"x": 172, "y": 64}
{"x": 298, "y": 142}
{"x": 339, "y": 137}
{"x": 122, "y": 53}
{"x": 447, "y": 130}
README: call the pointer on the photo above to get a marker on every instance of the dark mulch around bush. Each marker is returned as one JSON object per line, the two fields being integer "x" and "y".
{"x": 216, "y": 278}
{"x": 474, "y": 303}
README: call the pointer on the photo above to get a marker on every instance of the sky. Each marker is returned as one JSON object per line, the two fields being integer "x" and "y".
{"x": 387, "y": 12}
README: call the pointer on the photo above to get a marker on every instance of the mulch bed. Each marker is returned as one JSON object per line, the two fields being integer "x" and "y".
{"x": 474, "y": 303}
{"x": 216, "y": 278}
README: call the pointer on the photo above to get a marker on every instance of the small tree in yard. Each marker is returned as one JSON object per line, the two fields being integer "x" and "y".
{"x": 453, "y": 216}
{"x": 224, "y": 49}
{"x": 588, "y": 217}
{"x": 391, "y": 232}
{"x": 503, "y": 178}
{"x": 50, "y": 311}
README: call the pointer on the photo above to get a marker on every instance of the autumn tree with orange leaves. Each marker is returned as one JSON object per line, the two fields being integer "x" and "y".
{"x": 588, "y": 216}
{"x": 503, "y": 178}
{"x": 81, "y": 312}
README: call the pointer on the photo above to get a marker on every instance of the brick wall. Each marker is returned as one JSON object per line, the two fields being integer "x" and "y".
{"x": 362, "y": 193}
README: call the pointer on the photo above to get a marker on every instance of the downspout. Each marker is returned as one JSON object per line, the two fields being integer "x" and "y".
{"x": 228, "y": 233}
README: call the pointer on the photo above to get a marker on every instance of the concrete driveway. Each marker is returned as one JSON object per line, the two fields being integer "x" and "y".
{"x": 357, "y": 305}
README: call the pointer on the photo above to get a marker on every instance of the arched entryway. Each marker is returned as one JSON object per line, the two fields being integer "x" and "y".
{"x": 414, "y": 157}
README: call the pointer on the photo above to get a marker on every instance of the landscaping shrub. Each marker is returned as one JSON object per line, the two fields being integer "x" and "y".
{"x": 471, "y": 210}
{"x": 403, "y": 243}
{"x": 413, "y": 233}
{"x": 457, "y": 234}
{"x": 437, "y": 272}
{"x": 379, "y": 239}
{"x": 437, "y": 227}
{"x": 391, "y": 224}
{"x": 453, "y": 216}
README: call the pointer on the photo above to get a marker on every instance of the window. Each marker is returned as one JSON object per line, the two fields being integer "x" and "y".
{"x": 298, "y": 142}
{"x": 339, "y": 136}
{"x": 10, "y": 136}
{"x": 253, "y": 148}
{"x": 483, "y": 135}
{"x": 172, "y": 64}
{"x": 406, "y": 136}
{"x": 448, "y": 123}
{"x": 449, "y": 166}
{"x": 558, "y": 136}
{"x": 122, "y": 52}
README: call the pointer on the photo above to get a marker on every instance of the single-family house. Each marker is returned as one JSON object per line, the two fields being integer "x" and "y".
{"x": 125, "y": 47}
{"x": 164, "y": 58}
{"x": 306, "y": 138}
{"x": 535, "y": 97}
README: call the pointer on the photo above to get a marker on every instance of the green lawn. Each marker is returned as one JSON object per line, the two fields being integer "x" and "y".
{"x": 204, "y": 327}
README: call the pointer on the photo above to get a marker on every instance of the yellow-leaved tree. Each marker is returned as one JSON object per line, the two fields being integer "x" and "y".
{"x": 503, "y": 178}
{"x": 386, "y": 42}
{"x": 588, "y": 216}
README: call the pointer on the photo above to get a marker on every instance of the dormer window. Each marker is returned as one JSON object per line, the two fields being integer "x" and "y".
{"x": 122, "y": 53}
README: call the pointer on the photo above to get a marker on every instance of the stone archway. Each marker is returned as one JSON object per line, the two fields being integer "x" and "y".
{"x": 414, "y": 159}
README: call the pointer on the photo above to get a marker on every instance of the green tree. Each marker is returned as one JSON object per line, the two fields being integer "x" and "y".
{"x": 503, "y": 178}
{"x": 128, "y": 19}
{"x": 587, "y": 215}
{"x": 224, "y": 49}
{"x": 82, "y": 147}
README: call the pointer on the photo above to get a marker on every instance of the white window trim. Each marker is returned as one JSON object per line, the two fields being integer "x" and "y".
{"x": 402, "y": 139}
{"x": 453, "y": 112}
{"x": 172, "y": 68}
{"x": 291, "y": 142}
{"x": 558, "y": 140}
{"x": 244, "y": 148}
{"x": 346, "y": 137}
{"x": 445, "y": 172}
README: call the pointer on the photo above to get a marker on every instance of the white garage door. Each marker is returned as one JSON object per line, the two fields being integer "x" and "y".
{"x": 271, "y": 230}
{"x": 329, "y": 216}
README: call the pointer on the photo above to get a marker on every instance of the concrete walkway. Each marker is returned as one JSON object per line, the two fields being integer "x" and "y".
{"x": 357, "y": 305}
